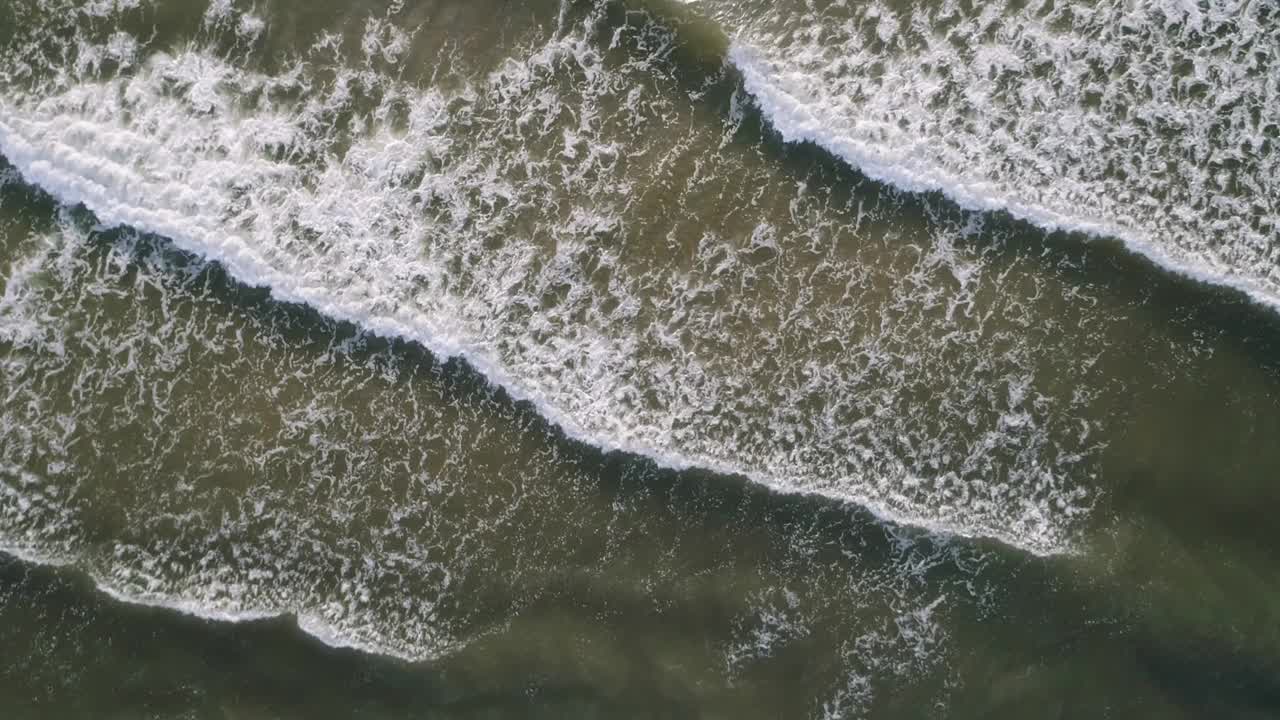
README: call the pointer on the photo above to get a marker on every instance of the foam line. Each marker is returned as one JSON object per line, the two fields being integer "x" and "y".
{"x": 306, "y": 622}
{"x": 76, "y": 178}
{"x": 796, "y": 122}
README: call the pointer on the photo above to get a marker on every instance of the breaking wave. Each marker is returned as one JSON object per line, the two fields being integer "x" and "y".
{"x": 501, "y": 220}
{"x": 1153, "y": 123}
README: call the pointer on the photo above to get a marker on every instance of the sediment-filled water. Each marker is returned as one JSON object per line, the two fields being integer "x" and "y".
{"x": 603, "y": 358}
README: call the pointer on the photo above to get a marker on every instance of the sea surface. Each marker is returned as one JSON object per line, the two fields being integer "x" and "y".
{"x": 723, "y": 359}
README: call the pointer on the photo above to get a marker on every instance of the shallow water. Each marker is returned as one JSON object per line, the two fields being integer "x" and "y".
{"x": 604, "y": 359}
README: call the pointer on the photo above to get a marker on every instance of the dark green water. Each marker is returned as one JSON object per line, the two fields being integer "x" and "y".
{"x": 602, "y": 359}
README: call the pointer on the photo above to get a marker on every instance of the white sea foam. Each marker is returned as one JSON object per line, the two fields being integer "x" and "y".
{"x": 200, "y": 608}
{"x": 509, "y": 219}
{"x": 164, "y": 182}
{"x": 259, "y": 558}
{"x": 771, "y": 626}
{"x": 111, "y": 191}
{"x": 42, "y": 516}
{"x": 1087, "y": 129}
{"x": 479, "y": 222}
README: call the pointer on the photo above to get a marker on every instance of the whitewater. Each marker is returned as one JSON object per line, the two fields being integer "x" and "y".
{"x": 163, "y": 180}
{"x": 675, "y": 344}
{"x": 1151, "y": 123}
{"x": 321, "y": 189}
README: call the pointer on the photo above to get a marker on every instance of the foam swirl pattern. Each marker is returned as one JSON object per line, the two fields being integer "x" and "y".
{"x": 687, "y": 350}
{"x": 1155, "y": 123}
{"x": 502, "y": 220}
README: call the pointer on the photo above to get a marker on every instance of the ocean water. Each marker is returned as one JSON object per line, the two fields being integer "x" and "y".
{"x": 604, "y": 358}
